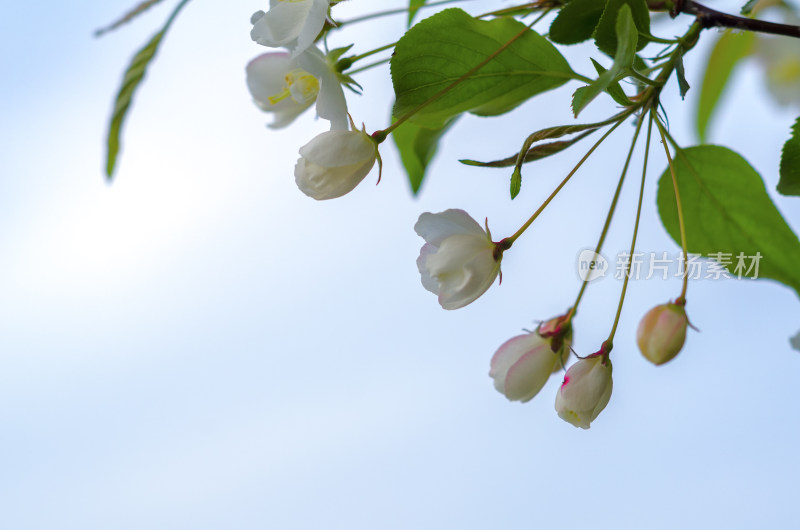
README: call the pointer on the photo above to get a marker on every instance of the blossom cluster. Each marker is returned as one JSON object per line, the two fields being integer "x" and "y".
{"x": 286, "y": 83}
{"x": 459, "y": 260}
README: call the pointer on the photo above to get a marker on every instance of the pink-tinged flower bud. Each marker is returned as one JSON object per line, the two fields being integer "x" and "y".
{"x": 458, "y": 261}
{"x": 662, "y": 332}
{"x": 334, "y": 163}
{"x": 522, "y": 365}
{"x": 585, "y": 391}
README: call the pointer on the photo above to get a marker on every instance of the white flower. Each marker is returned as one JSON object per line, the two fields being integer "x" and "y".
{"x": 292, "y": 24}
{"x": 458, "y": 261}
{"x": 662, "y": 332}
{"x": 780, "y": 56}
{"x": 287, "y": 86}
{"x": 585, "y": 391}
{"x": 522, "y": 365}
{"x": 334, "y": 163}
{"x": 331, "y": 104}
{"x": 278, "y": 85}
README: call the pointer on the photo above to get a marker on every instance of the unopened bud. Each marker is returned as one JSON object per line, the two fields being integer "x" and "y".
{"x": 662, "y": 332}
{"x": 523, "y": 364}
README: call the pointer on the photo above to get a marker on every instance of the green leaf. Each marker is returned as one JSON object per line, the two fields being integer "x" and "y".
{"x": 336, "y": 54}
{"x": 130, "y": 83}
{"x": 683, "y": 85}
{"x": 516, "y": 183}
{"x": 417, "y": 146}
{"x": 748, "y": 7}
{"x": 605, "y": 35}
{"x": 131, "y": 14}
{"x": 441, "y": 49}
{"x": 789, "y": 183}
{"x": 613, "y": 89}
{"x": 534, "y": 153}
{"x": 627, "y": 37}
{"x": 726, "y": 54}
{"x": 413, "y": 7}
{"x": 727, "y": 210}
{"x": 576, "y": 21}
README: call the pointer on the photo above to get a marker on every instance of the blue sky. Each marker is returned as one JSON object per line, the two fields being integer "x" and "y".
{"x": 201, "y": 346}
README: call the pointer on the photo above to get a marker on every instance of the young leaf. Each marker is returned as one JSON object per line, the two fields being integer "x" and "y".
{"x": 748, "y": 7}
{"x": 417, "y": 146}
{"x": 413, "y": 7}
{"x": 441, "y": 49}
{"x": 726, "y": 54}
{"x": 130, "y": 82}
{"x": 576, "y": 21}
{"x": 536, "y": 152}
{"x": 627, "y": 36}
{"x": 789, "y": 183}
{"x": 683, "y": 85}
{"x": 605, "y": 35}
{"x": 613, "y": 89}
{"x": 137, "y": 10}
{"x": 727, "y": 210}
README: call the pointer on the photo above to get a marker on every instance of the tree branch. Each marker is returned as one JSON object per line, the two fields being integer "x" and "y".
{"x": 710, "y": 18}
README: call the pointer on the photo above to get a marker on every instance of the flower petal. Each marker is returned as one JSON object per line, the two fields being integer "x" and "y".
{"x": 282, "y": 24}
{"x": 435, "y": 227}
{"x": 331, "y": 103}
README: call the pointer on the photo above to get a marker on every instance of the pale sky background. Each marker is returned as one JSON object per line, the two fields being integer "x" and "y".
{"x": 200, "y": 346}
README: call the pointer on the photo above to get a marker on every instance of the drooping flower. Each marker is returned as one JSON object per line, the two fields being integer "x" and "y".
{"x": 458, "y": 261}
{"x": 292, "y": 24}
{"x": 278, "y": 85}
{"x": 662, "y": 332}
{"x": 585, "y": 391}
{"x": 522, "y": 365}
{"x": 287, "y": 86}
{"x": 334, "y": 163}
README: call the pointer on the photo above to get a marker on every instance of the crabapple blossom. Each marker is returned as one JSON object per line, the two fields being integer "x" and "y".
{"x": 331, "y": 104}
{"x": 287, "y": 86}
{"x": 585, "y": 391}
{"x": 458, "y": 261}
{"x": 522, "y": 365}
{"x": 780, "y": 57}
{"x": 279, "y": 86}
{"x": 334, "y": 163}
{"x": 662, "y": 332}
{"x": 292, "y": 24}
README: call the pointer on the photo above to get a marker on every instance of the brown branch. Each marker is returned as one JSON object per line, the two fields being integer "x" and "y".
{"x": 710, "y": 18}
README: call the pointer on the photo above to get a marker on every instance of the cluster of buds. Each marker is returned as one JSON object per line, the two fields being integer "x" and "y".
{"x": 523, "y": 364}
{"x": 459, "y": 261}
{"x": 287, "y": 83}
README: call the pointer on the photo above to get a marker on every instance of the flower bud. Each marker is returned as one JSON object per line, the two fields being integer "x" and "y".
{"x": 585, "y": 391}
{"x": 334, "y": 163}
{"x": 662, "y": 332}
{"x": 458, "y": 261}
{"x": 293, "y": 24}
{"x": 522, "y": 365}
